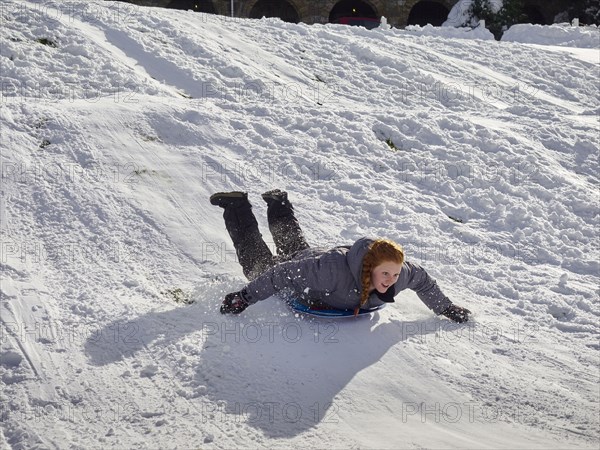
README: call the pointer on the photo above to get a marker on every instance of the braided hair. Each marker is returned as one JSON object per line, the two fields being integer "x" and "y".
{"x": 380, "y": 251}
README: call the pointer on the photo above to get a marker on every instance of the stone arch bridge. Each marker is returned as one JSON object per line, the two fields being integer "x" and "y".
{"x": 399, "y": 13}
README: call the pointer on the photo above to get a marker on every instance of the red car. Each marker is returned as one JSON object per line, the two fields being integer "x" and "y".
{"x": 367, "y": 22}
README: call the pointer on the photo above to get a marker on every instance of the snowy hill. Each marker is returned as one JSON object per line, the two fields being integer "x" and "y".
{"x": 480, "y": 157}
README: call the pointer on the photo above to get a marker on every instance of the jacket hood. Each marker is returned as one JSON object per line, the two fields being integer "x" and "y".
{"x": 355, "y": 257}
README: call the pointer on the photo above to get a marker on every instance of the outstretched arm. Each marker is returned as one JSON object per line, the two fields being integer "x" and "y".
{"x": 414, "y": 277}
{"x": 290, "y": 276}
{"x": 269, "y": 283}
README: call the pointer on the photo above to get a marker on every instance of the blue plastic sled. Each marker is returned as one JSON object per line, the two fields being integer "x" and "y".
{"x": 332, "y": 313}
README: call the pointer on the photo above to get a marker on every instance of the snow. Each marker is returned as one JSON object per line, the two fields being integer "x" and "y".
{"x": 114, "y": 137}
{"x": 557, "y": 34}
{"x": 450, "y": 32}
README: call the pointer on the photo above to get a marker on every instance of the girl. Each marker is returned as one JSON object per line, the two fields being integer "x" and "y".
{"x": 364, "y": 275}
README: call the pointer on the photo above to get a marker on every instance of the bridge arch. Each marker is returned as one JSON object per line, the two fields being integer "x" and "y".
{"x": 286, "y": 10}
{"x": 396, "y": 11}
{"x": 205, "y": 6}
{"x": 352, "y": 8}
{"x": 428, "y": 12}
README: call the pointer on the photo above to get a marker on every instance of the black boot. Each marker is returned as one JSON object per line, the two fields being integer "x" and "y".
{"x": 224, "y": 199}
{"x": 284, "y": 227}
{"x": 276, "y": 195}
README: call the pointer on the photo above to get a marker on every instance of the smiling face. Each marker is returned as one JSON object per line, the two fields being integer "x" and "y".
{"x": 384, "y": 275}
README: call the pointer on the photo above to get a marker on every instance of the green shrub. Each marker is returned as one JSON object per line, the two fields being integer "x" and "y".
{"x": 499, "y": 21}
{"x": 587, "y": 11}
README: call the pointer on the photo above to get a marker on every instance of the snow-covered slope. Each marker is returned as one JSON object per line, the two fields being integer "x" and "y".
{"x": 480, "y": 157}
{"x": 558, "y": 34}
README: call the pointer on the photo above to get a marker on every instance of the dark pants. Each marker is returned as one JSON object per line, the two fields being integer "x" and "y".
{"x": 253, "y": 254}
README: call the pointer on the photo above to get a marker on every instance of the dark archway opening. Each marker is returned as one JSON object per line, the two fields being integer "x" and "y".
{"x": 351, "y": 8}
{"x": 271, "y": 8}
{"x": 533, "y": 15}
{"x": 428, "y": 12}
{"x": 205, "y": 6}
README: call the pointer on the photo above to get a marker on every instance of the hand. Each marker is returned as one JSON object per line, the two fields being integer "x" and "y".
{"x": 234, "y": 303}
{"x": 456, "y": 313}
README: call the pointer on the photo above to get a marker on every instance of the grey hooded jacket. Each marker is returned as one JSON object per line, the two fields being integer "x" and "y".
{"x": 333, "y": 276}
